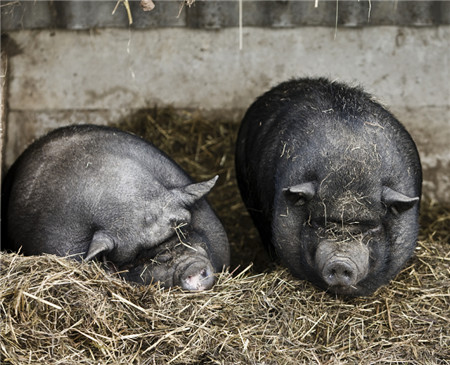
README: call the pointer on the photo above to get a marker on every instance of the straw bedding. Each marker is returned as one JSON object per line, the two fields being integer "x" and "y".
{"x": 56, "y": 311}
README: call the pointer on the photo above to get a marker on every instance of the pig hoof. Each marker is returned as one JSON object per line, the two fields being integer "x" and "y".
{"x": 197, "y": 278}
{"x": 340, "y": 273}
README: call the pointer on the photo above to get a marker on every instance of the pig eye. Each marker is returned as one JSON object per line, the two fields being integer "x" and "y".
{"x": 374, "y": 230}
{"x": 300, "y": 201}
{"x": 300, "y": 194}
{"x": 181, "y": 219}
{"x": 394, "y": 211}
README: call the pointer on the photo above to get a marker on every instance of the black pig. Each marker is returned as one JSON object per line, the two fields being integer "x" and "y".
{"x": 332, "y": 181}
{"x": 98, "y": 192}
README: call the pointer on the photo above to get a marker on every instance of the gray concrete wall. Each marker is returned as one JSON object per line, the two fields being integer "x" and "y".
{"x": 62, "y": 77}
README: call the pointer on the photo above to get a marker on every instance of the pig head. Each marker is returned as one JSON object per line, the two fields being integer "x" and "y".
{"x": 164, "y": 257}
{"x": 332, "y": 181}
{"x": 349, "y": 233}
{"x": 161, "y": 215}
{"x": 178, "y": 262}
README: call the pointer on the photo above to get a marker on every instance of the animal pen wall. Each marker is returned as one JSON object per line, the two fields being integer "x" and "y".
{"x": 183, "y": 75}
{"x": 73, "y": 62}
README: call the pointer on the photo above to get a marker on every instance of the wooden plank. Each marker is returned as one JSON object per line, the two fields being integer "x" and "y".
{"x": 3, "y": 93}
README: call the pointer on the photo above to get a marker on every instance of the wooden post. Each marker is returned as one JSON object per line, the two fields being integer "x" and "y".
{"x": 3, "y": 94}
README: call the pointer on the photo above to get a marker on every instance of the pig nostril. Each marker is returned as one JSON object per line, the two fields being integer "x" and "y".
{"x": 339, "y": 273}
{"x": 198, "y": 277}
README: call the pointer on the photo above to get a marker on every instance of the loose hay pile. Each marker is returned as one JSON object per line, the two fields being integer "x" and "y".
{"x": 58, "y": 311}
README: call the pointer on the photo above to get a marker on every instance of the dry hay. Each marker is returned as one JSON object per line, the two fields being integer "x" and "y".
{"x": 55, "y": 311}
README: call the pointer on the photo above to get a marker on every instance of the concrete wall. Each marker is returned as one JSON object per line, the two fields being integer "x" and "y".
{"x": 60, "y": 77}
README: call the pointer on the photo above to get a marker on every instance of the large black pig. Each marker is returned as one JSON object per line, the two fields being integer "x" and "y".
{"x": 332, "y": 181}
{"x": 98, "y": 192}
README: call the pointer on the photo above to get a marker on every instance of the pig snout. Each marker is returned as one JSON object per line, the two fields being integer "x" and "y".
{"x": 342, "y": 264}
{"x": 340, "y": 272}
{"x": 195, "y": 275}
{"x": 198, "y": 277}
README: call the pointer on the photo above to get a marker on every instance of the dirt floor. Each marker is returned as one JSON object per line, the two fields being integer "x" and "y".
{"x": 56, "y": 311}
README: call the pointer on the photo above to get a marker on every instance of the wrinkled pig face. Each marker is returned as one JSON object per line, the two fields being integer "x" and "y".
{"x": 182, "y": 265}
{"x": 342, "y": 242}
{"x": 344, "y": 255}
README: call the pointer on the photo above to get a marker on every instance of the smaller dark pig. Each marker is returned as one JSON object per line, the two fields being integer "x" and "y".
{"x": 332, "y": 181}
{"x": 97, "y": 192}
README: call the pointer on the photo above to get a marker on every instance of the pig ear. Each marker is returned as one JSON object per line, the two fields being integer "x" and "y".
{"x": 101, "y": 243}
{"x": 302, "y": 192}
{"x": 194, "y": 192}
{"x": 396, "y": 201}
